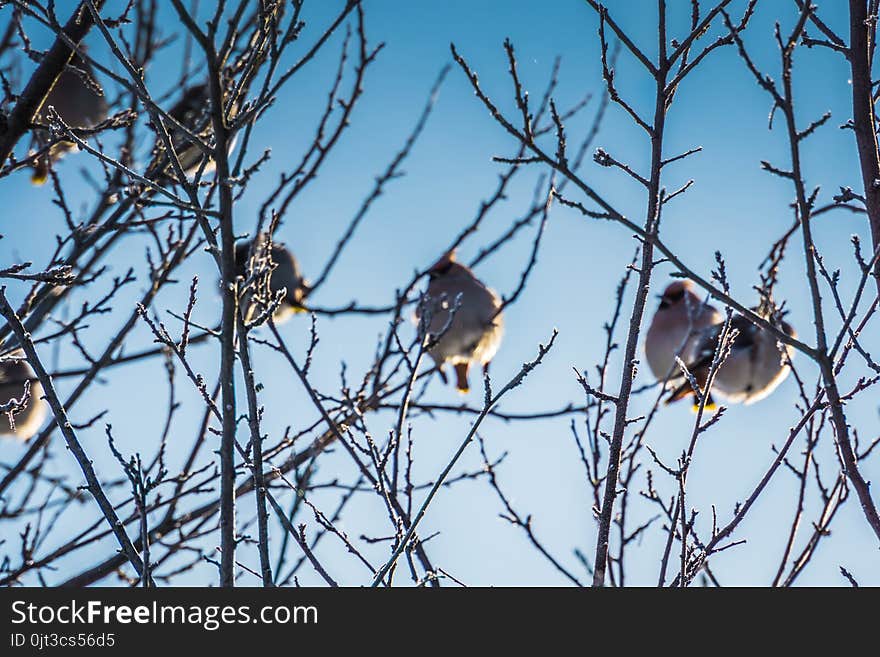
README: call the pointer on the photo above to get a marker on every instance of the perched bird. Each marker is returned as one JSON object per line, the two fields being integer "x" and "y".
{"x": 80, "y": 103}
{"x": 756, "y": 365}
{"x": 192, "y": 111}
{"x": 27, "y": 410}
{"x": 275, "y": 270}
{"x": 676, "y": 329}
{"x": 476, "y": 327}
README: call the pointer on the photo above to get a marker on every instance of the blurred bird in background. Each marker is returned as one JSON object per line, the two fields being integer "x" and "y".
{"x": 22, "y": 397}
{"x": 476, "y": 327}
{"x": 758, "y": 362}
{"x": 80, "y": 103}
{"x": 676, "y": 330}
{"x": 193, "y": 111}
{"x": 268, "y": 272}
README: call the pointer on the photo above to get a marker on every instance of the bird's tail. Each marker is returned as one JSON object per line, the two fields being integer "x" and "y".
{"x": 40, "y": 174}
{"x": 685, "y": 390}
{"x": 461, "y": 377}
{"x": 295, "y": 299}
{"x": 709, "y": 406}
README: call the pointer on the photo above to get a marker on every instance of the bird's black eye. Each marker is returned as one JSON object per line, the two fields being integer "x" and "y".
{"x": 671, "y": 297}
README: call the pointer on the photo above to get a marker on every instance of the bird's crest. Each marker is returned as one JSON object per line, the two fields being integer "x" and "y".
{"x": 443, "y": 264}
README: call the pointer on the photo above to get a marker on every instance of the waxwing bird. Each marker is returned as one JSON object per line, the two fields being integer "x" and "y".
{"x": 272, "y": 271}
{"x": 469, "y": 333}
{"x": 28, "y": 408}
{"x": 80, "y": 103}
{"x": 758, "y": 362}
{"x": 193, "y": 111}
{"x": 676, "y": 329}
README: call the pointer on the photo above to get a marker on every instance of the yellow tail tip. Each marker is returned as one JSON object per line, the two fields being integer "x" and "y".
{"x": 39, "y": 178}
{"x": 710, "y": 406}
{"x": 299, "y": 309}
{"x": 463, "y": 391}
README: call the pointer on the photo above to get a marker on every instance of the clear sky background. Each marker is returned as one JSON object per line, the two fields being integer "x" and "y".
{"x": 733, "y": 207}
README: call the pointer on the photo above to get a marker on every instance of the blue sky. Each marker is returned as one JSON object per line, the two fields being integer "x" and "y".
{"x": 733, "y": 207}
